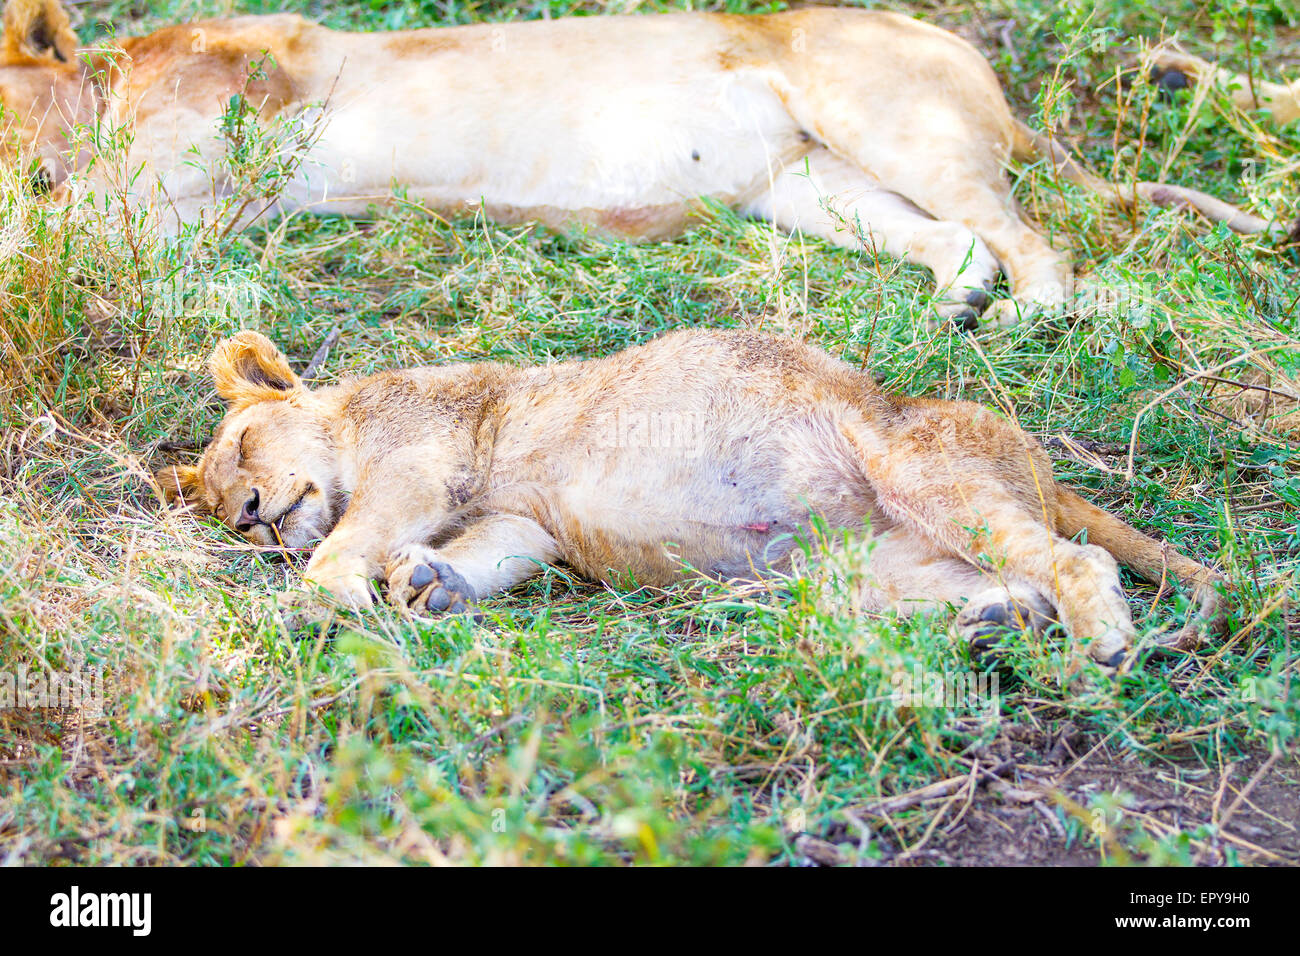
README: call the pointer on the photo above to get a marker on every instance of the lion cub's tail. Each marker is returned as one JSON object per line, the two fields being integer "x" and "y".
{"x": 1030, "y": 144}
{"x": 1154, "y": 561}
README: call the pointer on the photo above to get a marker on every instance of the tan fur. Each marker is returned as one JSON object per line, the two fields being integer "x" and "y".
{"x": 700, "y": 450}
{"x": 37, "y": 31}
{"x": 866, "y": 128}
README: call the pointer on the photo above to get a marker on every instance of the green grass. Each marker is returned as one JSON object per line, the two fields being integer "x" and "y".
{"x": 583, "y": 725}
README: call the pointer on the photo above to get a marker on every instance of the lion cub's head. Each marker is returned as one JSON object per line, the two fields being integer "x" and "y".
{"x": 273, "y": 472}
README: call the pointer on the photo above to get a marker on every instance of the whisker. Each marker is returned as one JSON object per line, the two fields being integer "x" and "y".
{"x": 275, "y": 530}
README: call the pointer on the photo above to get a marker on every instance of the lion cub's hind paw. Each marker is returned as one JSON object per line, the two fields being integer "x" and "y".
{"x": 424, "y": 584}
{"x": 1111, "y": 650}
{"x": 989, "y": 618}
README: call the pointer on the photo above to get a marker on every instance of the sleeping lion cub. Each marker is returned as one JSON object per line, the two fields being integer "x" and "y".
{"x": 700, "y": 452}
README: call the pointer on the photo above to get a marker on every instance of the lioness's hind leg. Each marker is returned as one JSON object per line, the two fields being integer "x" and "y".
{"x": 1038, "y": 274}
{"x": 960, "y": 178}
{"x": 831, "y": 198}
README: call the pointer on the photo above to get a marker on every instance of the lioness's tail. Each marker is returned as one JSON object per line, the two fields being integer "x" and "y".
{"x": 1149, "y": 558}
{"x": 1030, "y": 144}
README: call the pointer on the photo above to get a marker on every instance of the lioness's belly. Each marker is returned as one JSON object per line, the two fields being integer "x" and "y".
{"x": 567, "y": 123}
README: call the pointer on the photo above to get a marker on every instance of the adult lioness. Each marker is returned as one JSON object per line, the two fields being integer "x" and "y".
{"x": 700, "y": 450}
{"x": 860, "y": 127}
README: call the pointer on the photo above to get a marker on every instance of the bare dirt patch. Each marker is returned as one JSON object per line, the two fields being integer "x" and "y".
{"x": 1038, "y": 798}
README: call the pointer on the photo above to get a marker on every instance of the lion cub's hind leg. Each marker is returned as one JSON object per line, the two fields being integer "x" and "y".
{"x": 972, "y": 484}
{"x": 492, "y": 554}
{"x": 423, "y": 583}
{"x": 832, "y": 199}
{"x": 980, "y": 519}
{"x": 907, "y": 572}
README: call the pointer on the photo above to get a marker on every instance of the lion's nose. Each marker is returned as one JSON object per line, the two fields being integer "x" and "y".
{"x": 248, "y": 514}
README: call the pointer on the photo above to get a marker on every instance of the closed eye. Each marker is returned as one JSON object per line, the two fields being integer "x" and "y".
{"x": 242, "y": 436}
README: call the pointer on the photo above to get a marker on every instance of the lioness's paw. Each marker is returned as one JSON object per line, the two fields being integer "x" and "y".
{"x": 1009, "y": 313}
{"x": 989, "y": 618}
{"x": 423, "y": 583}
{"x": 1046, "y": 300}
{"x": 961, "y": 307}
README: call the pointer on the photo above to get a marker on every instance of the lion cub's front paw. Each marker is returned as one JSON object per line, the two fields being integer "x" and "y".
{"x": 304, "y": 615}
{"x": 420, "y": 581}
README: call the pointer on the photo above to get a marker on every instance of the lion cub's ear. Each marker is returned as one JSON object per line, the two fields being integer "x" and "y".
{"x": 248, "y": 369}
{"x": 181, "y": 485}
{"x": 37, "y": 29}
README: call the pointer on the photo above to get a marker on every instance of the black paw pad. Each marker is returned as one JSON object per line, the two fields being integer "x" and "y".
{"x": 448, "y": 590}
{"x": 438, "y": 600}
{"x": 977, "y": 299}
{"x": 967, "y": 320}
{"x": 999, "y": 614}
{"x": 1169, "y": 82}
{"x": 451, "y": 580}
{"x": 421, "y": 577}
{"x": 987, "y": 643}
{"x": 1115, "y": 659}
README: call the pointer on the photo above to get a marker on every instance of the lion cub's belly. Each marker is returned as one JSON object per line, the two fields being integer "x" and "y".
{"x": 620, "y": 139}
{"x": 656, "y": 494}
